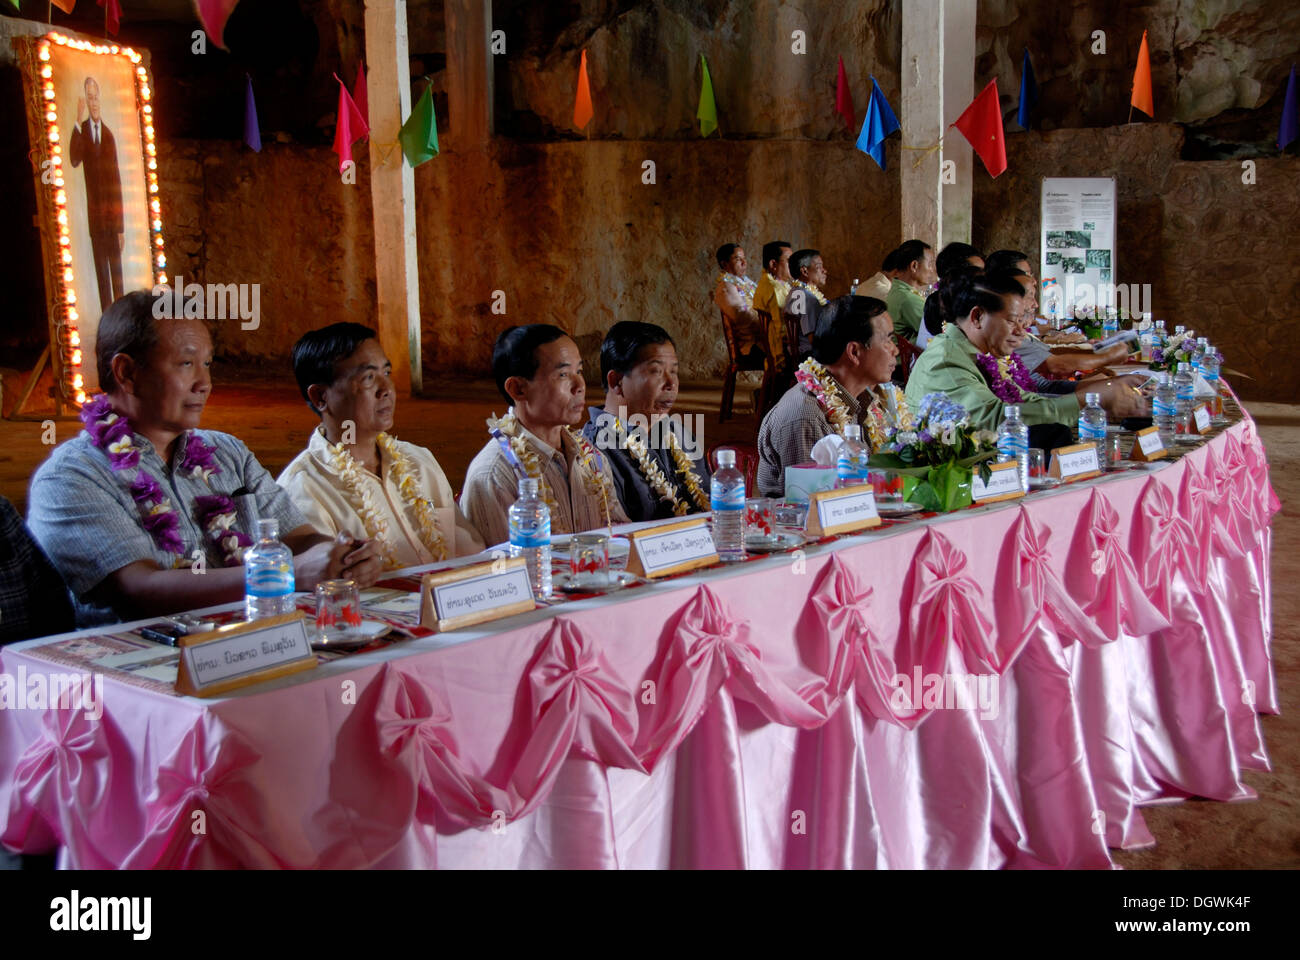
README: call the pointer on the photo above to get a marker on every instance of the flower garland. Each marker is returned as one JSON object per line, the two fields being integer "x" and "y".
{"x": 817, "y": 380}
{"x": 746, "y": 286}
{"x": 359, "y": 495}
{"x": 812, "y": 289}
{"x": 654, "y": 474}
{"x": 1007, "y": 377}
{"x": 215, "y": 514}
{"x": 520, "y": 454}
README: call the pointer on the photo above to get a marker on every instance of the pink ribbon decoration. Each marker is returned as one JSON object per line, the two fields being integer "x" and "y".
{"x": 1101, "y": 569}
{"x": 945, "y": 608}
{"x": 1163, "y": 543}
{"x": 1038, "y": 592}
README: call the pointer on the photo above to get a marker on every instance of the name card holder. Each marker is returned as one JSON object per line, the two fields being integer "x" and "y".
{"x": 450, "y": 599}
{"x": 845, "y": 510}
{"x": 240, "y": 654}
{"x": 1077, "y": 462}
{"x": 1148, "y": 446}
{"x": 671, "y": 548}
{"x": 1004, "y": 484}
{"x": 1201, "y": 415}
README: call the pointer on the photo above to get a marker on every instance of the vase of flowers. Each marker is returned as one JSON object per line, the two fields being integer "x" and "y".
{"x": 938, "y": 456}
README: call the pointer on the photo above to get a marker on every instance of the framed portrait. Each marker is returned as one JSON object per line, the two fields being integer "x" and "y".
{"x": 90, "y": 119}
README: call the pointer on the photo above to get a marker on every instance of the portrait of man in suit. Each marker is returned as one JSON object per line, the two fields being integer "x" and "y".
{"x": 94, "y": 150}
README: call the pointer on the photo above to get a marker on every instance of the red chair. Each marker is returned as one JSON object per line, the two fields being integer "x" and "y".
{"x": 756, "y": 359}
{"x": 746, "y": 463}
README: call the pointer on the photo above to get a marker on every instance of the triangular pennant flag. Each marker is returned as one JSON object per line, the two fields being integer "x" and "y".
{"x": 1290, "y": 129}
{"x": 879, "y": 123}
{"x": 981, "y": 124}
{"x": 359, "y": 94}
{"x": 252, "y": 135}
{"x": 1028, "y": 92}
{"x": 351, "y": 126}
{"x": 64, "y": 5}
{"x": 419, "y": 134}
{"x": 582, "y": 111}
{"x": 112, "y": 16}
{"x": 843, "y": 96}
{"x": 708, "y": 111}
{"x": 1141, "y": 98}
{"x": 213, "y": 14}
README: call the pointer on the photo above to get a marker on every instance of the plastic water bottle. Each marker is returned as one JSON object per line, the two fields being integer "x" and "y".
{"x": 1092, "y": 426}
{"x": 1210, "y": 373}
{"x": 1013, "y": 442}
{"x": 851, "y": 466}
{"x": 1164, "y": 408}
{"x": 268, "y": 574}
{"x": 530, "y": 535}
{"x": 727, "y": 498}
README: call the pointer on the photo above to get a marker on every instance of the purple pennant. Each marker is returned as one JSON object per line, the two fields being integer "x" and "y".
{"x": 252, "y": 134}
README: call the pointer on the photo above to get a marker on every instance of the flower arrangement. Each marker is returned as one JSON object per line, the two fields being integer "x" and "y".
{"x": 937, "y": 455}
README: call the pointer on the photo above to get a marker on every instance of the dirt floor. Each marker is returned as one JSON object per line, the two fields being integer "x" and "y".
{"x": 274, "y": 422}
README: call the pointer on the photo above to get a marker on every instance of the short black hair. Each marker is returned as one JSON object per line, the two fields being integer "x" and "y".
{"x": 801, "y": 259}
{"x": 724, "y": 254}
{"x": 851, "y": 322}
{"x": 623, "y": 342}
{"x": 515, "y": 352}
{"x": 128, "y": 326}
{"x": 772, "y": 251}
{"x": 953, "y": 256}
{"x": 908, "y": 251}
{"x": 317, "y": 353}
{"x": 1000, "y": 261}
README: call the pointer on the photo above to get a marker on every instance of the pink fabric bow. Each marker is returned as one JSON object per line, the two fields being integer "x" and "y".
{"x": 945, "y": 609}
{"x": 1163, "y": 543}
{"x": 1037, "y": 592}
{"x": 1102, "y": 570}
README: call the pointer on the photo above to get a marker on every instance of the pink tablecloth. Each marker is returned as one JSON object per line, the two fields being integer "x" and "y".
{"x": 1113, "y": 638}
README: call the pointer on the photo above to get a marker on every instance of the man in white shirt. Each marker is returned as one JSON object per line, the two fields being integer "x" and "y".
{"x": 354, "y": 477}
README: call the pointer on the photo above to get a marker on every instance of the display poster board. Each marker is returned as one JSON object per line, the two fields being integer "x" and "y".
{"x": 1077, "y": 243}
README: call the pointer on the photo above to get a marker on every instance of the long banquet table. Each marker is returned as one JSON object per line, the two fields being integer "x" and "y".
{"x": 736, "y": 717}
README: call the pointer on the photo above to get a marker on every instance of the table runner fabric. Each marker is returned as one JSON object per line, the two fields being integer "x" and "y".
{"x": 738, "y": 718}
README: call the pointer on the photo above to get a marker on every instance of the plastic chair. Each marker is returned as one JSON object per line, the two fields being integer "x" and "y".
{"x": 746, "y": 462}
{"x": 756, "y": 359}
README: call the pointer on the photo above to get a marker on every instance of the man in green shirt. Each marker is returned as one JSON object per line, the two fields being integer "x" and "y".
{"x": 984, "y": 314}
{"x": 914, "y": 261}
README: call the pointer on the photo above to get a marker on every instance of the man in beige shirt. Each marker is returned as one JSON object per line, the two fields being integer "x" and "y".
{"x": 356, "y": 479}
{"x": 538, "y": 370}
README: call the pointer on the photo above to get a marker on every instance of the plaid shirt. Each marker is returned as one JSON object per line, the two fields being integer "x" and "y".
{"x": 81, "y": 512}
{"x": 33, "y": 600}
{"x": 790, "y": 431}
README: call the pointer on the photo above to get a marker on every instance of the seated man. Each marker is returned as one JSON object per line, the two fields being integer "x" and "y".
{"x": 354, "y": 476}
{"x": 914, "y": 261}
{"x": 539, "y": 371}
{"x": 1044, "y": 363}
{"x": 33, "y": 596}
{"x": 655, "y": 474}
{"x": 806, "y": 302}
{"x": 950, "y": 258}
{"x": 773, "y": 291}
{"x": 733, "y": 292}
{"x": 130, "y": 509}
{"x": 968, "y": 363}
{"x": 853, "y": 357}
{"x": 879, "y": 284}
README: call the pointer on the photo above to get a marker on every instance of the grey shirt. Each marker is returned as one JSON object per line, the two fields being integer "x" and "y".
{"x": 81, "y": 513}
{"x": 639, "y": 499}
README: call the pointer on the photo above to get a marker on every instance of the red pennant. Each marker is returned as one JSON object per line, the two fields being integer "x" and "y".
{"x": 981, "y": 124}
{"x": 112, "y": 15}
{"x": 844, "y": 98}
{"x": 351, "y": 126}
{"x": 359, "y": 94}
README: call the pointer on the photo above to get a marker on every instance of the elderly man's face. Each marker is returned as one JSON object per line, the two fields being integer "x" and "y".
{"x": 173, "y": 384}
{"x": 650, "y": 387}
{"x": 92, "y": 100}
{"x": 737, "y": 265}
{"x": 363, "y": 391}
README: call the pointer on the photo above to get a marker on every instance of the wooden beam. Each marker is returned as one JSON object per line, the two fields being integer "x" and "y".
{"x": 392, "y": 191}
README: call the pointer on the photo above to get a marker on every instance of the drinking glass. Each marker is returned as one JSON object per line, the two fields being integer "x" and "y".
{"x": 760, "y": 526}
{"x": 589, "y": 560}
{"x": 338, "y": 610}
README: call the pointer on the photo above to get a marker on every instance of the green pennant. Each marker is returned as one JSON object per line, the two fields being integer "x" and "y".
{"x": 419, "y": 134}
{"x": 708, "y": 112}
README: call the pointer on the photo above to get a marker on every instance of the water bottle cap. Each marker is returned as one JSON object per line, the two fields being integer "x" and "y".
{"x": 726, "y": 457}
{"x": 268, "y": 529}
{"x": 852, "y": 431}
{"x": 1092, "y": 399}
{"x": 527, "y": 487}
{"x": 1011, "y": 411}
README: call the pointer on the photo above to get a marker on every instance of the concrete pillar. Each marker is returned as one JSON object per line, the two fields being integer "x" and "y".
{"x": 392, "y": 191}
{"x": 938, "y": 82}
{"x": 469, "y": 73}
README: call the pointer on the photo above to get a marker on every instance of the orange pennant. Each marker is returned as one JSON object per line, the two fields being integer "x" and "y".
{"x": 582, "y": 102}
{"x": 1142, "y": 81}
